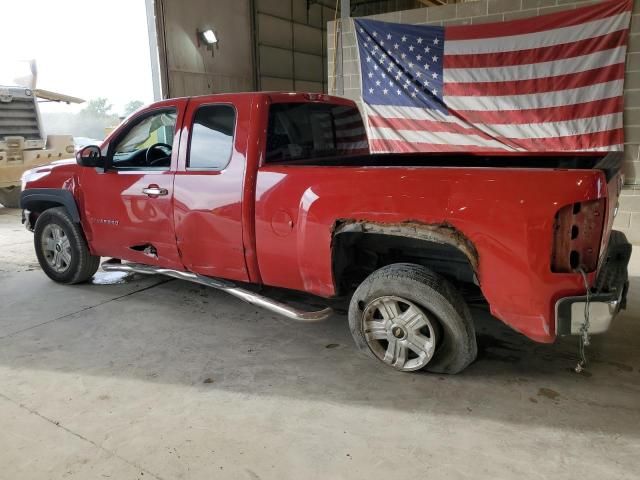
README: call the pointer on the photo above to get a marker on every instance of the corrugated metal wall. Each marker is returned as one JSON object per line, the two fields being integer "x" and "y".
{"x": 263, "y": 44}
{"x": 291, "y": 48}
{"x": 189, "y": 69}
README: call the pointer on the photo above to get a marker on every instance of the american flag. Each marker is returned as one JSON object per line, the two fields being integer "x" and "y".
{"x": 549, "y": 83}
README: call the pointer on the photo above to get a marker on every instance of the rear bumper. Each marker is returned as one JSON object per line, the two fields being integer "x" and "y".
{"x": 609, "y": 297}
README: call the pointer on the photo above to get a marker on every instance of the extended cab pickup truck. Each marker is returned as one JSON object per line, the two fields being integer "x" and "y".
{"x": 279, "y": 189}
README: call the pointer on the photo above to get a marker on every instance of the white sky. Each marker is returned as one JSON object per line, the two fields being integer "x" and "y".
{"x": 84, "y": 48}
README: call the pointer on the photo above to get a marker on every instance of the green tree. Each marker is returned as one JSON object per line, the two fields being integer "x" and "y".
{"x": 92, "y": 120}
{"x": 132, "y": 106}
{"x": 99, "y": 107}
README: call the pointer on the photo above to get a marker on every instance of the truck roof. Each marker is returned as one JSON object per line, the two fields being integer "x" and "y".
{"x": 278, "y": 96}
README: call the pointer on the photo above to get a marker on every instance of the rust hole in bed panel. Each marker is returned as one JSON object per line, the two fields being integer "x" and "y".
{"x": 577, "y": 232}
{"x": 574, "y": 232}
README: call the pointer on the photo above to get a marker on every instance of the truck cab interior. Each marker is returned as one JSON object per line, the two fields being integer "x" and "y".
{"x": 147, "y": 144}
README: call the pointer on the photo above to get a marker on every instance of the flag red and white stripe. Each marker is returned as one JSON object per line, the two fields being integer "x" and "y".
{"x": 549, "y": 83}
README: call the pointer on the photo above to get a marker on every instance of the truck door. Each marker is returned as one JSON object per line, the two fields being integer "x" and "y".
{"x": 128, "y": 207}
{"x": 208, "y": 190}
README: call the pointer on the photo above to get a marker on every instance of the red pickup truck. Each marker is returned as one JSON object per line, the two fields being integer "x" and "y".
{"x": 280, "y": 189}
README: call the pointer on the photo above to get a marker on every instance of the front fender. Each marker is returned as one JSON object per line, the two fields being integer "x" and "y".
{"x": 38, "y": 199}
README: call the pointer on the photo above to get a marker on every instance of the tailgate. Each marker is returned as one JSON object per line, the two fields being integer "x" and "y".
{"x": 611, "y": 165}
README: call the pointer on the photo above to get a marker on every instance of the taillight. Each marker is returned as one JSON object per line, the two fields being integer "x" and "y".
{"x": 576, "y": 236}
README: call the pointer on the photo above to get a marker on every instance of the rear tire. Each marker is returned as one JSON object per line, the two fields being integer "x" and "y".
{"x": 10, "y": 197}
{"x": 61, "y": 248}
{"x": 411, "y": 318}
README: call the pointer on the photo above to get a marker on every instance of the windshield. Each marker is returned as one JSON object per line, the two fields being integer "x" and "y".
{"x": 300, "y": 131}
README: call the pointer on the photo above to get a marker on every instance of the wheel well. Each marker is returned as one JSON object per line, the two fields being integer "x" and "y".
{"x": 38, "y": 207}
{"x": 358, "y": 252}
{"x": 38, "y": 200}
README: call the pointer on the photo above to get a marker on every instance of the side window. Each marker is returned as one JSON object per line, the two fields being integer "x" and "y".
{"x": 147, "y": 144}
{"x": 212, "y": 137}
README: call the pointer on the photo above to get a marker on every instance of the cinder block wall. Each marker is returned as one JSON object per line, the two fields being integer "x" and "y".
{"x": 484, "y": 11}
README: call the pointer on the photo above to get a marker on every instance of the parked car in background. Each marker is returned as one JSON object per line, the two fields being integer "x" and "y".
{"x": 80, "y": 142}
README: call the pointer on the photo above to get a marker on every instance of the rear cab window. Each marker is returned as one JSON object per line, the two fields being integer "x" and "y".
{"x": 308, "y": 131}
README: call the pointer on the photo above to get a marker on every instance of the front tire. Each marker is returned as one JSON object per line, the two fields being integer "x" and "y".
{"x": 61, "y": 248}
{"x": 411, "y": 318}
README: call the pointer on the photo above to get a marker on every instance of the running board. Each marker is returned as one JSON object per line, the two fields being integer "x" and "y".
{"x": 246, "y": 295}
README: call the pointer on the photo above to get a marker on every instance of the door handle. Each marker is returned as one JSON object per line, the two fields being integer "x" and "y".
{"x": 154, "y": 191}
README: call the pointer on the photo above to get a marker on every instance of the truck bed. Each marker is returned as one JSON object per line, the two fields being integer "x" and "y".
{"x": 506, "y": 214}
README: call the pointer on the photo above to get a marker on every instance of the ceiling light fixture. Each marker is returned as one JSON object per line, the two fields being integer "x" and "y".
{"x": 207, "y": 36}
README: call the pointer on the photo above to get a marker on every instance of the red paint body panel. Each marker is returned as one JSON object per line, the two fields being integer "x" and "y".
{"x": 117, "y": 197}
{"x": 105, "y": 197}
{"x": 506, "y": 213}
{"x": 208, "y": 203}
{"x": 273, "y": 224}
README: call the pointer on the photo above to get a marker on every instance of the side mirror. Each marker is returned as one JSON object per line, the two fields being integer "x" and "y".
{"x": 90, "y": 156}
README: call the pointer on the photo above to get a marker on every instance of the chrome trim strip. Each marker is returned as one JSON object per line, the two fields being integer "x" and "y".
{"x": 241, "y": 293}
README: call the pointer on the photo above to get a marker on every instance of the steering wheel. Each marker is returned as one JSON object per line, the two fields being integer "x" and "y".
{"x": 162, "y": 147}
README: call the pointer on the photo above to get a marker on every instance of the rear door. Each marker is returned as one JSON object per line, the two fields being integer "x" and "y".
{"x": 208, "y": 189}
{"x": 128, "y": 208}
{"x": 287, "y": 203}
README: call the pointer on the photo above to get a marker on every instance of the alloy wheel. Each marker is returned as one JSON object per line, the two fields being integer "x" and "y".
{"x": 399, "y": 333}
{"x": 56, "y": 248}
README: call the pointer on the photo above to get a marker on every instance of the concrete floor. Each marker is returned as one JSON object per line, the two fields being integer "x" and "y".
{"x": 134, "y": 378}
